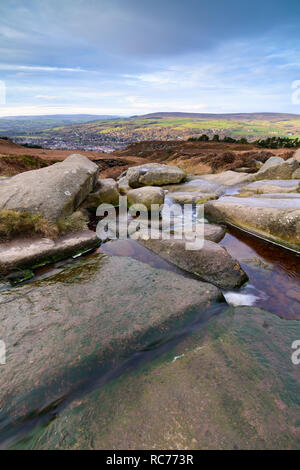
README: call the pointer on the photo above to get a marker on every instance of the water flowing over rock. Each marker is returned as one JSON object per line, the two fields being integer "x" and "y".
{"x": 55, "y": 191}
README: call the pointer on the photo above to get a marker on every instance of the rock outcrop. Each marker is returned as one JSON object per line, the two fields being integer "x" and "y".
{"x": 54, "y": 192}
{"x": 196, "y": 184}
{"x": 274, "y": 168}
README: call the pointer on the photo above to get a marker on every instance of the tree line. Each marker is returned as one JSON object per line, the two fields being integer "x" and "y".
{"x": 270, "y": 142}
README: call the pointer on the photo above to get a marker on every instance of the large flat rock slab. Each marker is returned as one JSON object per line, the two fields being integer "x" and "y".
{"x": 196, "y": 185}
{"x": 27, "y": 252}
{"x": 231, "y": 385}
{"x": 192, "y": 197}
{"x": 273, "y": 218}
{"x": 227, "y": 178}
{"x": 273, "y": 186}
{"x": 61, "y": 330}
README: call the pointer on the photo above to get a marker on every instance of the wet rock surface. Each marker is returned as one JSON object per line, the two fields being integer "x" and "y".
{"x": 97, "y": 311}
{"x": 211, "y": 262}
{"x": 230, "y": 385}
{"x": 26, "y": 252}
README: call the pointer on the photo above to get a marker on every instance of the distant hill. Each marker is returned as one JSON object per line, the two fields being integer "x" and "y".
{"x": 71, "y": 118}
{"x": 226, "y": 116}
{"x": 26, "y": 125}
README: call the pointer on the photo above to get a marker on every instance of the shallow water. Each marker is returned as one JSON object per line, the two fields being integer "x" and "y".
{"x": 274, "y": 273}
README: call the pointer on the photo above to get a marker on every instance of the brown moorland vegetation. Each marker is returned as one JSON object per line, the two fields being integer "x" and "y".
{"x": 194, "y": 157}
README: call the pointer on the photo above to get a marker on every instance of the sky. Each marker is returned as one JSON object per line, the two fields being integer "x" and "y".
{"x": 129, "y": 57}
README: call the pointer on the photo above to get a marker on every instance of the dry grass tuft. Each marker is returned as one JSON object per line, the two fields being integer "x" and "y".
{"x": 14, "y": 223}
{"x": 76, "y": 221}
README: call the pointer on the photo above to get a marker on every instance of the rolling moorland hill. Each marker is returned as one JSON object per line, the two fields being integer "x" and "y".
{"x": 227, "y": 116}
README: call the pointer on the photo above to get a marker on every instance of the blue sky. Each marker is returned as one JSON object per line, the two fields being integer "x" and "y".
{"x": 131, "y": 57}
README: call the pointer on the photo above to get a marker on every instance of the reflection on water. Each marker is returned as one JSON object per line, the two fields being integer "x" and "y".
{"x": 273, "y": 271}
{"x": 134, "y": 250}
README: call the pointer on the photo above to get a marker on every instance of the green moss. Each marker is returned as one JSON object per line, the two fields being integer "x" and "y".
{"x": 20, "y": 276}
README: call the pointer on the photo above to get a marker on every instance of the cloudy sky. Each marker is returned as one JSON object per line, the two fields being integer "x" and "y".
{"x": 130, "y": 57}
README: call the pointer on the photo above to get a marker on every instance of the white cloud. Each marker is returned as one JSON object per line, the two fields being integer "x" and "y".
{"x": 11, "y": 33}
{"x": 38, "y": 68}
